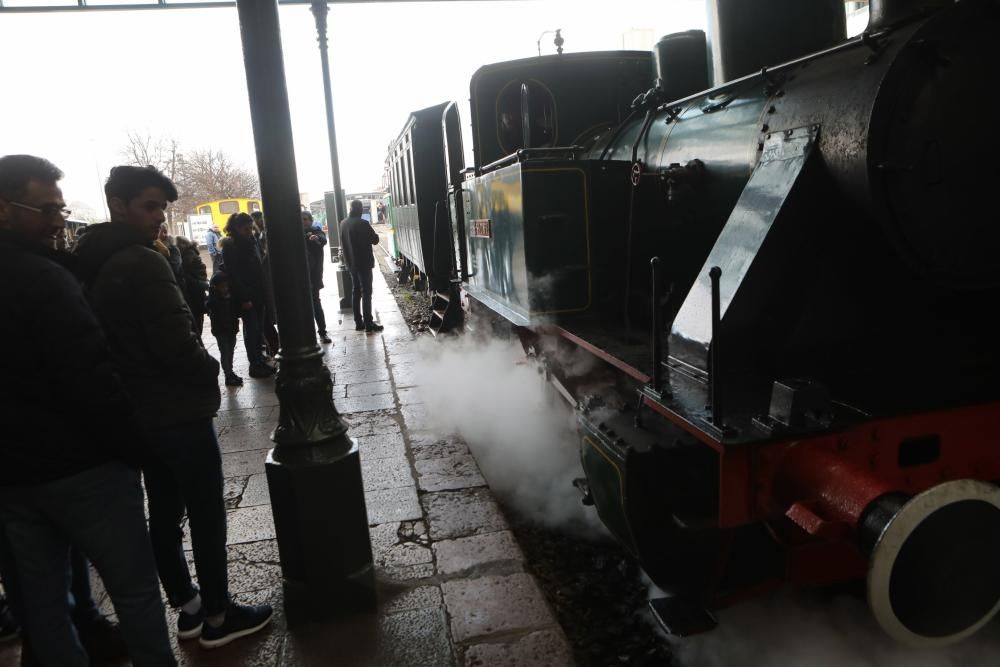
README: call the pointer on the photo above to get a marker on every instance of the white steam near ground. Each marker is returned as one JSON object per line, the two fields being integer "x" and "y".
{"x": 524, "y": 439}
{"x": 521, "y": 434}
{"x": 806, "y": 630}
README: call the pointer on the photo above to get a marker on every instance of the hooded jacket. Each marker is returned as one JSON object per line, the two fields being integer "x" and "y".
{"x": 132, "y": 288}
{"x": 63, "y": 409}
{"x": 242, "y": 260}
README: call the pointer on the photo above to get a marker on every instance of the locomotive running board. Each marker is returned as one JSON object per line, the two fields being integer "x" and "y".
{"x": 682, "y": 618}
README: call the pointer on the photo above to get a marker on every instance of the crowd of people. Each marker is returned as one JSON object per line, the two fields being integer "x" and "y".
{"x": 136, "y": 394}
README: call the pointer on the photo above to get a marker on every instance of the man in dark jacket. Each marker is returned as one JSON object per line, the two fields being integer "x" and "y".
{"x": 63, "y": 479}
{"x": 357, "y": 238}
{"x": 174, "y": 383}
{"x": 242, "y": 259}
{"x": 315, "y": 241}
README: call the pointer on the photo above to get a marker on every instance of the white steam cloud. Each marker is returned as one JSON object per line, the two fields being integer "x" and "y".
{"x": 804, "y": 630}
{"x": 521, "y": 434}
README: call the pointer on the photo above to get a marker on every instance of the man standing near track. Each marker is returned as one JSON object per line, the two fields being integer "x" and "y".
{"x": 357, "y": 239}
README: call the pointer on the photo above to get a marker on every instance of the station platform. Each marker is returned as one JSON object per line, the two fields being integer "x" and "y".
{"x": 452, "y": 587}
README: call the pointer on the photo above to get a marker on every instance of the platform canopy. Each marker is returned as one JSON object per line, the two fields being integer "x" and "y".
{"x": 12, "y": 6}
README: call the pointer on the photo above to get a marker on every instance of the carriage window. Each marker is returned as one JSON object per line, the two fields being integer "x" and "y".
{"x": 205, "y": 210}
{"x": 228, "y": 207}
{"x": 526, "y": 99}
{"x": 253, "y": 205}
{"x": 411, "y": 190}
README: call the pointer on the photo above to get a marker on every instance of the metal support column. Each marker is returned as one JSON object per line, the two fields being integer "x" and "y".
{"x": 320, "y": 9}
{"x": 313, "y": 472}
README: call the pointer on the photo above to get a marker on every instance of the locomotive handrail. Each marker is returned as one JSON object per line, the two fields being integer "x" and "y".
{"x": 527, "y": 153}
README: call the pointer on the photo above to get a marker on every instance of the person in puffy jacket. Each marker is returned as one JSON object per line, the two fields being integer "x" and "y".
{"x": 174, "y": 383}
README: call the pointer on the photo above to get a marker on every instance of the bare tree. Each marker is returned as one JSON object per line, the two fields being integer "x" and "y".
{"x": 200, "y": 175}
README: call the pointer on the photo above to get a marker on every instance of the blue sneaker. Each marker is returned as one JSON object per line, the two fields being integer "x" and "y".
{"x": 189, "y": 625}
{"x": 240, "y": 621}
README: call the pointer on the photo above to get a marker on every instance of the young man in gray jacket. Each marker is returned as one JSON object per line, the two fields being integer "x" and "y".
{"x": 174, "y": 383}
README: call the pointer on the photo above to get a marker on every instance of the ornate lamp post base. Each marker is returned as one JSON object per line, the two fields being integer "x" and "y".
{"x": 323, "y": 542}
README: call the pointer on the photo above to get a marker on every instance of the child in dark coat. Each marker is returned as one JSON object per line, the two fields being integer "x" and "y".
{"x": 225, "y": 324}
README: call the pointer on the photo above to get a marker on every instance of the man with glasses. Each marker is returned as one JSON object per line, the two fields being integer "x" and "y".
{"x": 66, "y": 432}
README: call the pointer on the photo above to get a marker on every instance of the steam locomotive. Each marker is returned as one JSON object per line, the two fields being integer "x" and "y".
{"x": 779, "y": 248}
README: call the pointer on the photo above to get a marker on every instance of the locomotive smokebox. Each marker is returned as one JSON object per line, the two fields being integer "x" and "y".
{"x": 681, "y": 64}
{"x": 932, "y": 574}
{"x": 748, "y": 36}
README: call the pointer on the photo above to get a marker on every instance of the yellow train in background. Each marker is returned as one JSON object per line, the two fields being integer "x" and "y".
{"x": 221, "y": 209}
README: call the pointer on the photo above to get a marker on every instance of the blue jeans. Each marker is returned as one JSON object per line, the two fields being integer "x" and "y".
{"x": 100, "y": 512}
{"x": 184, "y": 472}
{"x": 362, "y": 297}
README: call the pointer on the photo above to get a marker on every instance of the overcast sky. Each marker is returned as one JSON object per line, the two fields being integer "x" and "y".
{"x": 75, "y": 84}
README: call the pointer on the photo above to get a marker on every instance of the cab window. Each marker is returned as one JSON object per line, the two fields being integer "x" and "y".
{"x": 229, "y": 207}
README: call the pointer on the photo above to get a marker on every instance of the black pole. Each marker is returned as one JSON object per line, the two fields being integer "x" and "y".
{"x": 654, "y": 265}
{"x": 320, "y": 9}
{"x": 313, "y": 472}
{"x": 714, "y": 378}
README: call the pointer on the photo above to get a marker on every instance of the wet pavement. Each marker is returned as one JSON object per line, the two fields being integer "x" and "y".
{"x": 452, "y": 586}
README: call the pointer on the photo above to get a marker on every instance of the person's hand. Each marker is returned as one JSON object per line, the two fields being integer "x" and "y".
{"x": 248, "y": 305}
{"x": 314, "y": 238}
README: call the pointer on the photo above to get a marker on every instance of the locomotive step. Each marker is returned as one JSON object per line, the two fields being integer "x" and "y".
{"x": 682, "y": 618}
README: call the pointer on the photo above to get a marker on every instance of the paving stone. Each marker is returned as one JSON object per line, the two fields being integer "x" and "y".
{"x": 448, "y": 473}
{"x": 411, "y": 638}
{"x": 393, "y": 553}
{"x": 232, "y": 490}
{"x": 545, "y": 648}
{"x": 418, "y": 418}
{"x": 410, "y": 357}
{"x": 252, "y": 566}
{"x": 245, "y": 416}
{"x": 366, "y": 403}
{"x": 246, "y": 463}
{"x": 406, "y": 375}
{"x": 452, "y": 514}
{"x": 380, "y": 474}
{"x": 250, "y": 524}
{"x": 383, "y": 446}
{"x": 416, "y": 572}
{"x": 256, "y": 492}
{"x": 488, "y": 606}
{"x": 358, "y": 362}
{"x": 368, "y": 375}
{"x": 237, "y": 399}
{"x": 430, "y": 445}
{"x": 411, "y": 396}
{"x": 467, "y": 554}
{"x": 421, "y": 597}
{"x": 371, "y": 423}
{"x": 265, "y": 398}
{"x": 393, "y": 505}
{"x": 369, "y": 388}
{"x": 243, "y": 437}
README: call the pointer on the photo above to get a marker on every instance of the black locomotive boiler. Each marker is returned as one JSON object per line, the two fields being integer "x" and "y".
{"x": 781, "y": 247}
